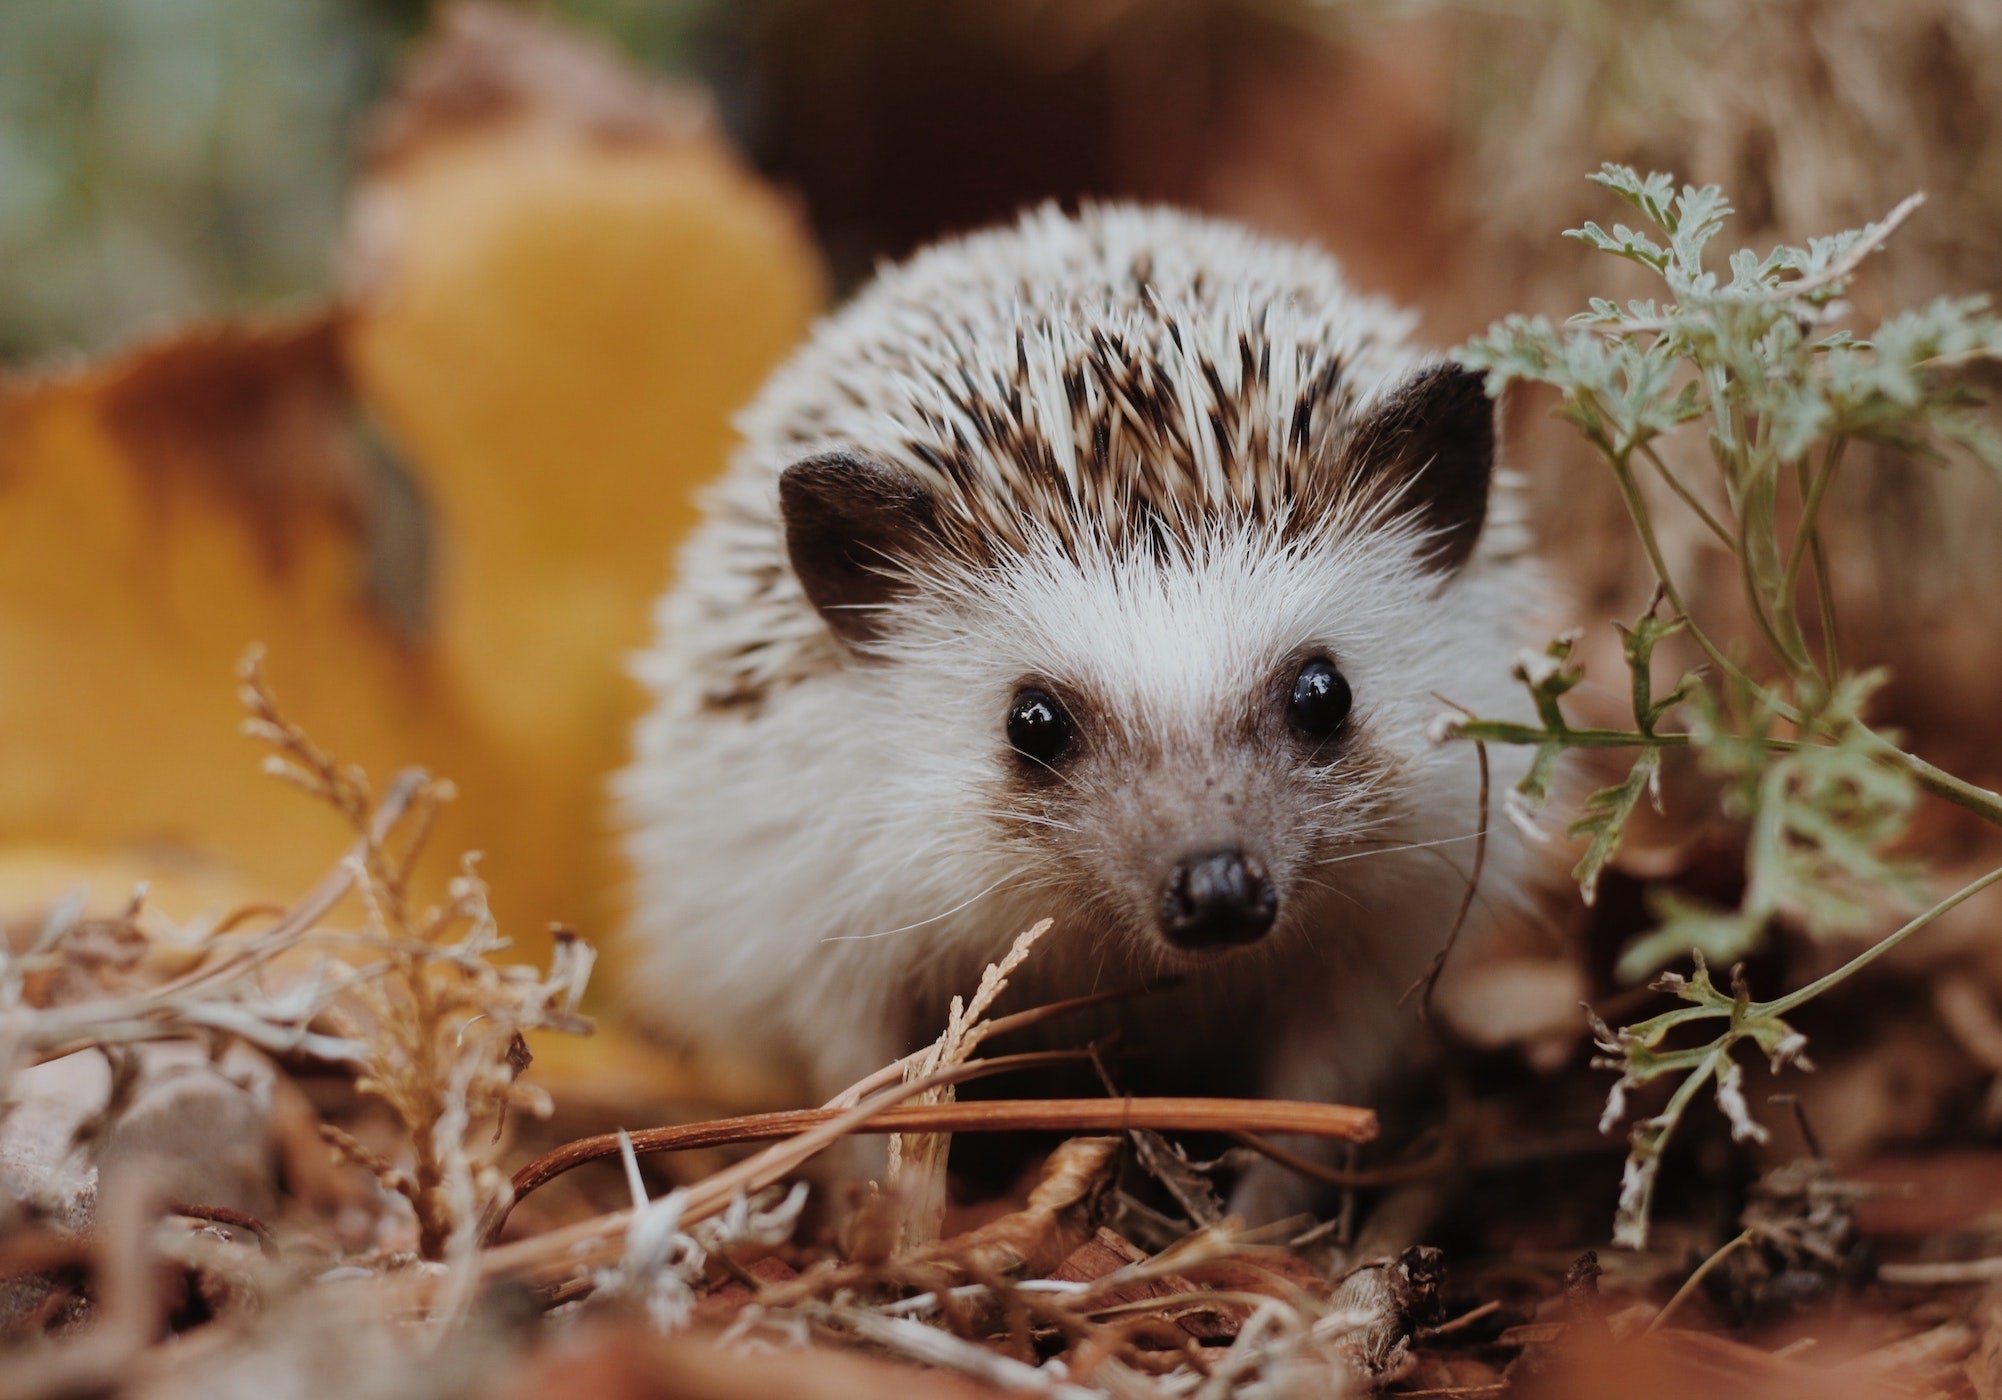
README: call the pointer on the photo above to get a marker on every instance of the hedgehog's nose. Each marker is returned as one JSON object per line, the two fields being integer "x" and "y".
{"x": 1218, "y": 900}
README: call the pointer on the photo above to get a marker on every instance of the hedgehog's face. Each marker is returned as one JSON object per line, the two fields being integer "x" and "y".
{"x": 1191, "y": 745}
{"x": 1190, "y": 751}
{"x": 1223, "y": 891}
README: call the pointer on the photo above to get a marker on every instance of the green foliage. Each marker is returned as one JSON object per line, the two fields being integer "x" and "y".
{"x": 1605, "y": 819}
{"x": 1757, "y": 354}
{"x": 1637, "y": 1052}
{"x": 1607, "y": 811}
{"x": 1547, "y": 677}
{"x": 1819, "y": 817}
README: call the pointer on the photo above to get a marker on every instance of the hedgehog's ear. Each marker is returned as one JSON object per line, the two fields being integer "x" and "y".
{"x": 849, "y": 522}
{"x": 1430, "y": 449}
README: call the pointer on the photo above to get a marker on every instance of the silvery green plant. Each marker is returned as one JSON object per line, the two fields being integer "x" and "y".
{"x": 1754, "y": 355}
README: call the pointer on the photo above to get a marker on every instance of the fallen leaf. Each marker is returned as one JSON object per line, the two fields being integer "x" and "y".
{"x": 1062, "y": 1212}
{"x": 159, "y": 514}
{"x": 563, "y": 284}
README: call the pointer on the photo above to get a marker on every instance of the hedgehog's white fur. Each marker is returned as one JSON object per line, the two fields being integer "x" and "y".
{"x": 826, "y": 844}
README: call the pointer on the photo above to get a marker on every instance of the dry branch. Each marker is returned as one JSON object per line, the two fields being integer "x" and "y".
{"x": 1167, "y": 1115}
{"x": 1251, "y": 1116}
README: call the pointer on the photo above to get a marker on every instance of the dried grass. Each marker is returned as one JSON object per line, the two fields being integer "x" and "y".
{"x": 1083, "y": 1288}
{"x": 409, "y": 1009}
{"x": 917, "y": 1162}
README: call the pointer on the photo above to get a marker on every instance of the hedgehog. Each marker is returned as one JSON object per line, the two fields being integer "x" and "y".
{"x": 1111, "y": 567}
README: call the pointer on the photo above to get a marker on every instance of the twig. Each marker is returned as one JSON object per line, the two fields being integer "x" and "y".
{"x": 1344, "y": 1222}
{"x": 597, "y": 1241}
{"x": 267, "y": 1242}
{"x": 556, "y": 1161}
{"x": 1430, "y": 981}
{"x": 165, "y": 1011}
{"x": 807, "y": 1130}
{"x": 915, "y": 1173}
{"x": 1943, "y": 1274}
{"x": 319, "y": 901}
{"x": 1000, "y": 1025}
{"x": 1702, "y": 1271}
{"x": 1462, "y": 1322}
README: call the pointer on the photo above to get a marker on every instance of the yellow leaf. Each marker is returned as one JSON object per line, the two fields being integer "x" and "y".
{"x": 560, "y": 285}
{"x": 563, "y": 284}
{"x": 158, "y": 515}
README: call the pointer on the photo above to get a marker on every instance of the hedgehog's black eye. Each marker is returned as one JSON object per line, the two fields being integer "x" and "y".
{"x": 1038, "y": 727}
{"x": 1320, "y": 700}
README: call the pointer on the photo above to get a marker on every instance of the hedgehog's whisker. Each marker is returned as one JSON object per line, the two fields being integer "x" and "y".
{"x": 1056, "y": 772}
{"x": 1362, "y": 836}
{"x": 1358, "y": 796}
{"x": 1028, "y": 817}
{"x": 1480, "y": 897}
{"x": 964, "y": 903}
{"x": 1393, "y": 850}
{"x": 1335, "y": 890}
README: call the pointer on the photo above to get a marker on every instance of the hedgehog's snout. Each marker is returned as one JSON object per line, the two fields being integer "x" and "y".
{"x": 1219, "y": 899}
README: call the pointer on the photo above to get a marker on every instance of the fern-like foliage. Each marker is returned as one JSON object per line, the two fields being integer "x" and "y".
{"x": 1754, "y": 353}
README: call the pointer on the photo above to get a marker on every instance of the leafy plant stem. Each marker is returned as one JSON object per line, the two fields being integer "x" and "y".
{"x": 1688, "y": 497}
{"x": 1760, "y": 568}
{"x": 1981, "y": 801}
{"x": 1701, "y": 1272}
{"x": 1807, "y": 548}
{"x": 1978, "y": 800}
{"x": 1505, "y": 732}
{"x": 1643, "y": 521}
{"x": 1937, "y": 781}
{"x": 1658, "y": 1129}
{"x": 1800, "y": 996}
{"x": 1758, "y": 354}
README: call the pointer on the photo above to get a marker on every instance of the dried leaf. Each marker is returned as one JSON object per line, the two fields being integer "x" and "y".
{"x": 564, "y": 283}
{"x": 160, "y": 513}
{"x": 1062, "y": 1213}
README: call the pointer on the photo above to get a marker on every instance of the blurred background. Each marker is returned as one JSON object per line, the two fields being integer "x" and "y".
{"x": 161, "y": 159}
{"x": 482, "y": 284}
